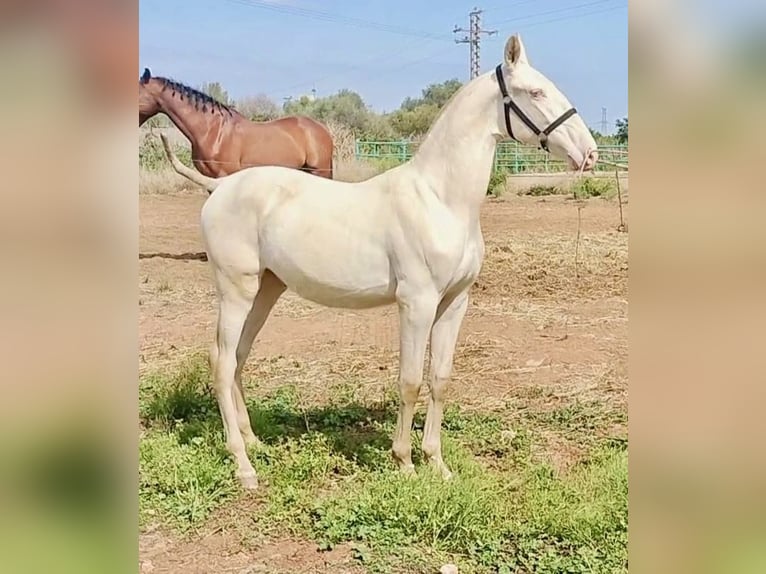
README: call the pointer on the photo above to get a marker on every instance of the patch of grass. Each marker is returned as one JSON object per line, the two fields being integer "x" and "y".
{"x": 539, "y": 190}
{"x": 161, "y": 180}
{"x": 384, "y": 164}
{"x": 155, "y": 175}
{"x": 353, "y": 170}
{"x": 575, "y": 523}
{"x": 183, "y": 482}
{"x": 185, "y": 471}
{"x": 184, "y": 396}
{"x": 327, "y": 473}
{"x": 580, "y": 417}
{"x": 586, "y": 187}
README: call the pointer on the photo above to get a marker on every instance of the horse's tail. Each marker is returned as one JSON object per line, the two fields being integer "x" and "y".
{"x": 209, "y": 183}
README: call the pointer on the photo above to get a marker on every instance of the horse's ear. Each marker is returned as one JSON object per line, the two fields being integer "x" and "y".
{"x": 514, "y": 51}
{"x": 147, "y": 75}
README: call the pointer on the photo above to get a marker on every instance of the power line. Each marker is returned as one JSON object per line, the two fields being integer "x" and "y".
{"x": 318, "y": 15}
{"x": 378, "y": 57}
{"x": 549, "y": 12}
{"x": 473, "y": 40}
{"x": 506, "y": 6}
{"x": 575, "y": 16}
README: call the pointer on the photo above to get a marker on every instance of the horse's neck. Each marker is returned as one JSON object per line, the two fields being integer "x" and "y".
{"x": 457, "y": 154}
{"x": 194, "y": 123}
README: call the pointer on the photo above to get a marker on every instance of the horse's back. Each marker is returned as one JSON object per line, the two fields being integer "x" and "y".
{"x": 326, "y": 240}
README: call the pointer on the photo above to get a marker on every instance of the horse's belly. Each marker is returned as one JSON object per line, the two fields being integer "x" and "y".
{"x": 345, "y": 297}
{"x": 334, "y": 281}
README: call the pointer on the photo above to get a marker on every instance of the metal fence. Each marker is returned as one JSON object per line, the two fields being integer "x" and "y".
{"x": 512, "y": 157}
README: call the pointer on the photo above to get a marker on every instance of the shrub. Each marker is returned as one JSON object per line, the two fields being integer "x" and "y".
{"x": 151, "y": 155}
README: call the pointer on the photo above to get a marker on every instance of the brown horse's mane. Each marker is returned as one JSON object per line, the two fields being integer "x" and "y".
{"x": 197, "y": 97}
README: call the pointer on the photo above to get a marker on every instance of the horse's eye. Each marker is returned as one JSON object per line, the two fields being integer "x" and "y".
{"x": 536, "y": 93}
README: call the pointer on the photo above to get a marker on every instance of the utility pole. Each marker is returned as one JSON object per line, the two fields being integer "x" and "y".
{"x": 603, "y": 121}
{"x": 473, "y": 39}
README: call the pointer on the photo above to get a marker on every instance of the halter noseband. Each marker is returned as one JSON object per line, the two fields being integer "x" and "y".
{"x": 509, "y": 104}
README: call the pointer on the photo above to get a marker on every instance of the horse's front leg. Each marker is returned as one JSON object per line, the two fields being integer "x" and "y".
{"x": 417, "y": 310}
{"x": 444, "y": 336}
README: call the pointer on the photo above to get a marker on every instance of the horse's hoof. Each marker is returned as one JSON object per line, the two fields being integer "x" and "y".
{"x": 438, "y": 465}
{"x": 407, "y": 470}
{"x": 249, "y": 481}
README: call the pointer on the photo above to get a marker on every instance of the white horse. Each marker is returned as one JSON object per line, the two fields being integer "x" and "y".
{"x": 410, "y": 235}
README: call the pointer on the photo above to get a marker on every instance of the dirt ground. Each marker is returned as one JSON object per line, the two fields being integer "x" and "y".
{"x": 547, "y": 323}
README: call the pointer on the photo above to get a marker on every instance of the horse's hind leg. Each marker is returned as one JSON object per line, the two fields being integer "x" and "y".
{"x": 271, "y": 288}
{"x": 416, "y": 314}
{"x": 235, "y": 303}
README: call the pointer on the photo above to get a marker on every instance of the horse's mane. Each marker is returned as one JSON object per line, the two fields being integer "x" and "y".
{"x": 197, "y": 97}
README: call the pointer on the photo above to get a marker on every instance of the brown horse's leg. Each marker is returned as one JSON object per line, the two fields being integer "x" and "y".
{"x": 319, "y": 152}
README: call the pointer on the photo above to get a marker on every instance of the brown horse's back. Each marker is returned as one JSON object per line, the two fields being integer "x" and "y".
{"x": 295, "y": 141}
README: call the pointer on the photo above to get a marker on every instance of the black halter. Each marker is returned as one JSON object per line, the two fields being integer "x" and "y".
{"x": 509, "y": 104}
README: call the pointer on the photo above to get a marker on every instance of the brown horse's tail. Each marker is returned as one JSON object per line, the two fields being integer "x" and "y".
{"x": 209, "y": 183}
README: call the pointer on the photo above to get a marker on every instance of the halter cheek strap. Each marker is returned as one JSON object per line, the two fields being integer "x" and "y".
{"x": 509, "y": 104}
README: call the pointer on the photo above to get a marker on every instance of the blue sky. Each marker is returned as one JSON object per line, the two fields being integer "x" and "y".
{"x": 384, "y": 50}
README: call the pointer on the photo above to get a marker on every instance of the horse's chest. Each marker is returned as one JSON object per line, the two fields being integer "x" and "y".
{"x": 213, "y": 164}
{"x": 457, "y": 262}
{"x": 467, "y": 269}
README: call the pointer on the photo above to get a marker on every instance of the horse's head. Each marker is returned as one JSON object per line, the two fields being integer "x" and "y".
{"x": 538, "y": 113}
{"x": 148, "y": 104}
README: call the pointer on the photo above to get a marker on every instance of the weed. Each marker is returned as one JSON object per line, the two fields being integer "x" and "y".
{"x": 586, "y": 187}
{"x": 496, "y": 185}
{"x": 539, "y": 190}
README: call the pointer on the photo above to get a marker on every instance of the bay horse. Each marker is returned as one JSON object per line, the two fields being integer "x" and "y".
{"x": 223, "y": 141}
{"x": 410, "y": 235}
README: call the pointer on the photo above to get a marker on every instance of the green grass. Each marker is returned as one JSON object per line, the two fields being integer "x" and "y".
{"x": 327, "y": 475}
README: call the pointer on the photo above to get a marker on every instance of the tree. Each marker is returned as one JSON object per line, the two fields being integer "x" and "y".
{"x": 416, "y": 115}
{"x": 602, "y": 139}
{"x": 259, "y": 108}
{"x": 346, "y": 107}
{"x": 414, "y": 121}
{"x": 622, "y": 130}
{"x": 434, "y": 94}
{"x": 215, "y": 91}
